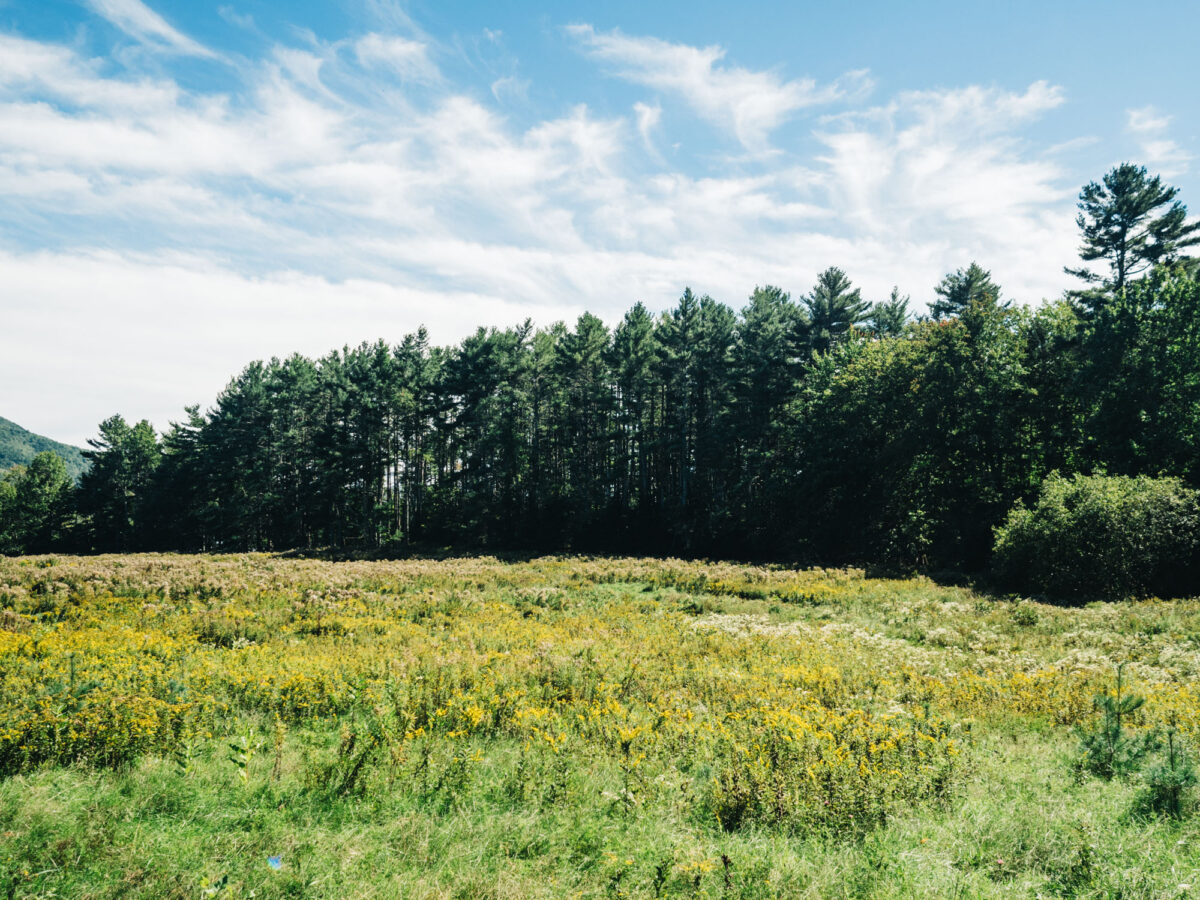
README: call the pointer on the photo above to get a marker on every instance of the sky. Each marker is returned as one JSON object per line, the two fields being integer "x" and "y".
{"x": 186, "y": 186}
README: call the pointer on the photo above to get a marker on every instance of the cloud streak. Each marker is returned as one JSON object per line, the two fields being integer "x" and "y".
{"x": 409, "y": 58}
{"x": 750, "y": 104}
{"x": 154, "y": 237}
{"x": 145, "y": 25}
{"x": 1149, "y": 126}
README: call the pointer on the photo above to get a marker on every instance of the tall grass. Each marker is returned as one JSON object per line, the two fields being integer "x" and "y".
{"x": 571, "y": 727}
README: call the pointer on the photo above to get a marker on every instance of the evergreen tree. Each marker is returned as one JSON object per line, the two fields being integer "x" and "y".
{"x": 765, "y": 360}
{"x": 115, "y": 493}
{"x": 961, "y": 288}
{"x": 1137, "y": 378}
{"x": 889, "y": 317}
{"x": 633, "y": 353}
{"x": 236, "y": 442}
{"x": 414, "y": 407}
{"x": 677, "y": 336}
{"x": 33, "y": 502}
{"x": 582, "y": 364}
{"x": 179, "y": 505}
{"x": 833, "y": 309}
{"x": 766, "y": 369}
{"x": 699, "y": 431}
{"x": 713, "y": 409}
{"x": 1121, "y": 223}
{"x": 487, "y": 380}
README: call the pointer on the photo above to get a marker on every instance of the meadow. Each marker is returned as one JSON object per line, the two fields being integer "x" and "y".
{"x": 255, "y": 726}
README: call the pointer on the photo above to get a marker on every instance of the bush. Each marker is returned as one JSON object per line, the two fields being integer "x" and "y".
{"x": 1102, "y": 536}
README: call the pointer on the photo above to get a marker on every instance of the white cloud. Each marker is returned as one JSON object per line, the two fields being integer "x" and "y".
{"x": 152, "y": 126}
{"x": 141, "y": 22}
{"x": 648, "y": 119}
{"x": 30, "y": 68}
{"x": 100, "y": 333}
{"x": 1147, "y": 119}
{"x": 511, "y": 89}
{"x": 750, "y": 104}
{"x": 1161, "y": 154}
{"x": 154, "y": 239}
{"x": 233, "y": 17}
{"x": 408, "y": 58}
{"x": 946, "y": 167}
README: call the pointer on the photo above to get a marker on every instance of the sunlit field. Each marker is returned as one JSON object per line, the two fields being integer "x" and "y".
{"x": 183, "y": 726}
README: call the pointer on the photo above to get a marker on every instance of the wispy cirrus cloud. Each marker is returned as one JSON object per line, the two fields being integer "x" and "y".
{"x": 749, "y": 103}
{"x": 145, "y": 25}
{"x": 1149, "y": 127}
{"x": 948, "y": 170}
{"x": 233, "y": 17}
{"x": 349, "y": 189}
{"x": 405, "y": 56}
{"x": 648, "y": 119}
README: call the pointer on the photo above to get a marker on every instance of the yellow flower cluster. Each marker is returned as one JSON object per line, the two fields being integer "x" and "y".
{"x": 799, "y": 720}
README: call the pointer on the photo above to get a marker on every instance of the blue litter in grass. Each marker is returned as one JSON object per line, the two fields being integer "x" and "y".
{"x": 275, "y": 862}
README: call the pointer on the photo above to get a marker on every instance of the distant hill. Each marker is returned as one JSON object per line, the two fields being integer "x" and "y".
{"x": 18, "y": 447}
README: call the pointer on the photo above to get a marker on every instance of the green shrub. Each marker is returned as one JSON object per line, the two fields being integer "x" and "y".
{"x": 1102, "y": 536}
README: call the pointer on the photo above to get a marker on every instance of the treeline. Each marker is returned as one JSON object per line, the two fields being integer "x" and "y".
{"x": 820, "y": 428}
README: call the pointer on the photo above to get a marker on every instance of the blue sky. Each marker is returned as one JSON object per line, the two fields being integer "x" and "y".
{"x": 186, "y": 186}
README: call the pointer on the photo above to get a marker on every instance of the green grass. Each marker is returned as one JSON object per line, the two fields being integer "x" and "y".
{"x": 1018, "y": 828}
{"x": 514, "y": 822}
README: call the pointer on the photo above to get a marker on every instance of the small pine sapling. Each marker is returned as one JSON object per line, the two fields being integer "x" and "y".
{"x": 1168, "y": 781}
{"x": 1110, "y": 749}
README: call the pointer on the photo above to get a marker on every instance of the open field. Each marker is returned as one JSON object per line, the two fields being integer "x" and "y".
{"x": 569, "y": 727}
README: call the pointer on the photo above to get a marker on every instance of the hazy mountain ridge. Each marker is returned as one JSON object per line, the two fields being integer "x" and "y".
{"x": 19, "y": 445}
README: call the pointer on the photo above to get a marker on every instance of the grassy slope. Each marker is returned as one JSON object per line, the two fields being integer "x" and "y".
{"x": 524, "y": 824}
{"x": 18, "y": 447}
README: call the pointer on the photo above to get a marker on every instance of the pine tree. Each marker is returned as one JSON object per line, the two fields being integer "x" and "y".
{"x": 889, "y": 317}
{"x": 833, "y": 309}
{"x": 32, "y": 504}
{"x": 582, "y": 363}
{"x": 961, "y": 288}
{"x": 766, "y": 367}
{"x": 116, "y": 490}
{"x": 1117, "y": 219}
{"x": 632, "y": 358}
{"x": 678, "y": 334}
